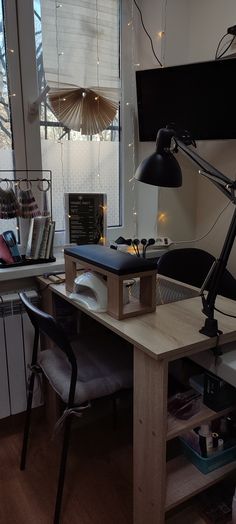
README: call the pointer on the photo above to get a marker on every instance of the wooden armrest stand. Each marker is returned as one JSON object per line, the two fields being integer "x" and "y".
{"x": 116, "y": 267}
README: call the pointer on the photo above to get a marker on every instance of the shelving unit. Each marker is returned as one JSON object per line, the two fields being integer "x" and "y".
{"x": 184, "y": 480}
{"x": 170, "y": 333}
{"x": 188, "y": 514}
{"x": 177, "y": 427}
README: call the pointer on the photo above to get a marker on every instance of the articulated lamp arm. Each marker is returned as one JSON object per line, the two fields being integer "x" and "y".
{"x": 227, "y": 187}
{"x": 162, "y": 169}
{"x": 222, "y": 182}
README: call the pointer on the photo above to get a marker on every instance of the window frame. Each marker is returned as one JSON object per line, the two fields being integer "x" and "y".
{"x": 26, "y": 127}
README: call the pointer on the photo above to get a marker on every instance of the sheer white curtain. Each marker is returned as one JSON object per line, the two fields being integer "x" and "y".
{"x": 81, "y": 42}
{"x": 81, "y": 47}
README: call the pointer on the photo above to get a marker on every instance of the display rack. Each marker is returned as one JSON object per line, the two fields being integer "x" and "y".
{"x": 24, "y": 176}
{"x": 17, "y": 178}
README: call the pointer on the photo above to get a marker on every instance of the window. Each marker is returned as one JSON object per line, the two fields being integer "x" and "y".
{"x": 96, "y": 163}
{"x": 6, "y": 144}
{"x": 77, "y": 43}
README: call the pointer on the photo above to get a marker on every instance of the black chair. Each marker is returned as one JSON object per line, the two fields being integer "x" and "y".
{"x": 79, "y": 372}
{"x": 191, "y": 266}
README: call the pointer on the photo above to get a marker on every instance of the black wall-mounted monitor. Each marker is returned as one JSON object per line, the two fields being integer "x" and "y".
{"x": 199, "y": 97}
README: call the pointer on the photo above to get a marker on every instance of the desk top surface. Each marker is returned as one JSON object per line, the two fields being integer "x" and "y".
{"x": 170, "y": 332}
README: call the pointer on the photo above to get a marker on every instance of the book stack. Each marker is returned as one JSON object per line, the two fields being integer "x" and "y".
{"x": 40, "y": 238}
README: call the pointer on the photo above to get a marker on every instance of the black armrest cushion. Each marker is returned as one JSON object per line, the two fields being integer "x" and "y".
{"x": 110, "y": 259}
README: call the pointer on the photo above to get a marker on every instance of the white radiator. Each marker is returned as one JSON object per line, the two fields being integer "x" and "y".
{"x": 16, "y": 344}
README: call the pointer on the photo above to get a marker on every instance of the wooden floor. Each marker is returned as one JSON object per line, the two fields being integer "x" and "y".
{"x": 98, "y": 488}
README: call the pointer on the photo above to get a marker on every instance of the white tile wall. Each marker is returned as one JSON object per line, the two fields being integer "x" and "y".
{"x": 75, "y": 168}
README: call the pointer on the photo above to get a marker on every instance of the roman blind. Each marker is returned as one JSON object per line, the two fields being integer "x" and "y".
{"x": 80, "y": 41}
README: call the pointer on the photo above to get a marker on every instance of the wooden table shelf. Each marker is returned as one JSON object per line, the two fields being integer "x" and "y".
{"x": 169, "y": 333}
{"x": 177, "y": 427}
{"x": 184, "y": 480}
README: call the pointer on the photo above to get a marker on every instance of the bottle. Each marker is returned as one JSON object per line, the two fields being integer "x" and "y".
{"x": 220, "y": 446}
{"x": 234, "y": 508}
{"x": 223, "y": 427}
{"x": 205, "y": 440}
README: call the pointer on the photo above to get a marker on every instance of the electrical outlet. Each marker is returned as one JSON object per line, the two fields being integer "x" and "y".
{"x": 162, "y": 242}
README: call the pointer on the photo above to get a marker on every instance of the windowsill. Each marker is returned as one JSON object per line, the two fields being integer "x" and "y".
{"x": 12, "y": 273}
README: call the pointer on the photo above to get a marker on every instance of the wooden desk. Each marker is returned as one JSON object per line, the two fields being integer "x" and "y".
{"x": 158, "y": 338}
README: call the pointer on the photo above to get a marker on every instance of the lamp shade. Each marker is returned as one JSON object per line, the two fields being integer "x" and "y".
{"x": 89, "y": 110}
{"x": 161, "y": 168}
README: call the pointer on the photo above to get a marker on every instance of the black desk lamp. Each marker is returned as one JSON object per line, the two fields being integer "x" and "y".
{"x": 162, "y": 169}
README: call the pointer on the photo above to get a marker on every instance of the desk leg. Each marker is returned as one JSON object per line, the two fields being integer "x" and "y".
{"x": 150, "y": 426}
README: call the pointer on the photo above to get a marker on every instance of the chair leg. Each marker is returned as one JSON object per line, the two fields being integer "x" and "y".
{"x": 62, "y": 471}
{"x": 27, "y": 422}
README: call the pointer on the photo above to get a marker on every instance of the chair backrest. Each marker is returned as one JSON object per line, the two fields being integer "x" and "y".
{"x": 46, "y": 324}
{"x": 191, "y": 266}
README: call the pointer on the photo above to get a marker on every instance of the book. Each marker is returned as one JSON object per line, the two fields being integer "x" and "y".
{"x": 35, "y": 236}
{"x": 43, "y": 246}
{"x": 49, "y": 248}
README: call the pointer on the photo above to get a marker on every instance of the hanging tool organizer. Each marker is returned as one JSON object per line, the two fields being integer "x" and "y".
{"x": 26, "y": 200}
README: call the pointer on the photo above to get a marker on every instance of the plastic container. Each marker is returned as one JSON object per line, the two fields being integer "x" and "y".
{"x": 208, "y": 464}
{"x": 205, "y": 440}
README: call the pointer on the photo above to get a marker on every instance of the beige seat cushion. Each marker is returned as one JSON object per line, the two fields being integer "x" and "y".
{"x": 104, "y": 367}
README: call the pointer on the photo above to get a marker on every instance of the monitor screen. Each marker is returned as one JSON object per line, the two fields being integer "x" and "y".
{"x": 199, "y": 97}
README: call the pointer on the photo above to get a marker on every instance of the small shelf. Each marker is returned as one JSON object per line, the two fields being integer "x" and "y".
{"x": 177, "y": 427}
{"x": 187, "y": 514}
{"x": 184, "y": 480}
{"x": 28, "y": 262}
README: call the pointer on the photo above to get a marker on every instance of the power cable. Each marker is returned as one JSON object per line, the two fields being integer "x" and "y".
{"x": 148, "y": 35}
{"x": 217, "y": 57}
{"x": 222, "y": 313}
{"x": 206, "y": 234}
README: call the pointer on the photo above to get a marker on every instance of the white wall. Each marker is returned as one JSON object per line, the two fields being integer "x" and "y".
{"x": 210, "y": 19}
{"x": 180, "y": 220}
{"x": 193, "y": 30}
{"x": 146, "y": 196}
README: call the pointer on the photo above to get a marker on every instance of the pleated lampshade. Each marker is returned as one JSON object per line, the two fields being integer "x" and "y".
{"x": 88, "y": 110}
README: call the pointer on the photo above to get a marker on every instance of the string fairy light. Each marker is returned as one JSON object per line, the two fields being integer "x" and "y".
{"x": 97, "y": 97}
{"x": 161, "y": 216}
{"x": 162, "y": 33}
{"x": 60, "y": 54}
{"x": 130, "y": 108}
{"x": 147, "y": 33}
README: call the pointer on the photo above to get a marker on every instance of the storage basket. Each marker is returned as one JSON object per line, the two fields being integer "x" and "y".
{"x": 208, "y": 464}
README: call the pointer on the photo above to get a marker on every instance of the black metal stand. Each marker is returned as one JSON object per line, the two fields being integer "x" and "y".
{"x": 210, "y": 327}
{"x": 227, "y": 187}
{"x": 162, "y": 169}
